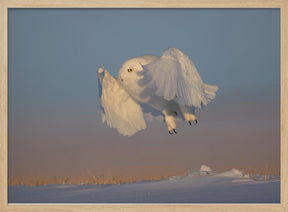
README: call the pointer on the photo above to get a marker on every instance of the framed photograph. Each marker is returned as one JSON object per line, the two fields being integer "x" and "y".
{"x": 140, "y": 105}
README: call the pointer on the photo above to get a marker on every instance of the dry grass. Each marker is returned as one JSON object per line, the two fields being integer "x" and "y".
{"x": 266, "y": 173}
{"x": 92, "y": 179}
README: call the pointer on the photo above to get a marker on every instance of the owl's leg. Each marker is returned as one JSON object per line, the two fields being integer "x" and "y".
{"x": 170, "y": 121}
{"x": 188, "y": 114}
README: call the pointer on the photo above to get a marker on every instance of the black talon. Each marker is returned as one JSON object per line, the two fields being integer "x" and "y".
{"x": 196, "y": 121}
{"x": 175, "y": 113}
{"x": 170, "y": 132}
{"x": 175, "y": 131}
{"x": 190, "y": 122}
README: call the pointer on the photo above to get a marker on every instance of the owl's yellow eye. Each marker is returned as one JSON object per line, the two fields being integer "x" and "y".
{"x": 129, "y": 69}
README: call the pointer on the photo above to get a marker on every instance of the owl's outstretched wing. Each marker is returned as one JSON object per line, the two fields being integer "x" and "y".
{"x": 118, "y": 109}
{"x": 174, "y": 77}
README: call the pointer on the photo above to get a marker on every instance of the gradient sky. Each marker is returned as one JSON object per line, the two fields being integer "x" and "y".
{"x": 55, "y": 126}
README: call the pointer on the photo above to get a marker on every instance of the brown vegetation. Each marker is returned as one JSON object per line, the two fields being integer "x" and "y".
{"x": 266, "y": 173}
{"x": 101, "y": 179}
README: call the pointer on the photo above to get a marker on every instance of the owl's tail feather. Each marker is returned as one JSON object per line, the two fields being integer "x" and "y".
{"x": 210, "y": 91}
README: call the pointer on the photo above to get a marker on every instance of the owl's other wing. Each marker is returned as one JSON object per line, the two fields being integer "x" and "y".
{"x": 174, "y": 77}
{"x": 118, "y": 109}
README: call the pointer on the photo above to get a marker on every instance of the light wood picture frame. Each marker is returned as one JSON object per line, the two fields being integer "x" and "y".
{"x": 6, "y": 4}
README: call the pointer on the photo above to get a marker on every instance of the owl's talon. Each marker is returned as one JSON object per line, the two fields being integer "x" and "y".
{"x": 174, "y": 131}
{"x": 196, "y": 121}
{"x": 171, "y": 133}
{"x": 190, "y": 122}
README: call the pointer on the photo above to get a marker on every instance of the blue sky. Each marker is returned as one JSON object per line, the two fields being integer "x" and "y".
{"x": 53, "y": 56}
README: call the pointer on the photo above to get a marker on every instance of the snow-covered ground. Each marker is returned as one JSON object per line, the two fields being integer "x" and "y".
{"x": 202, "y": 186}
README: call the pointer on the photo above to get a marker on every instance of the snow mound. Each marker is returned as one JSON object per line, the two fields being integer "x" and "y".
{"x": 205, "y": 168}
{"x": 232, "y": 173}
{"x": 175, "y": 177}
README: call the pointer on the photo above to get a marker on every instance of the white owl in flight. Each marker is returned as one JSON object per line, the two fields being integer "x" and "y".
{"x": 169, "y": 86}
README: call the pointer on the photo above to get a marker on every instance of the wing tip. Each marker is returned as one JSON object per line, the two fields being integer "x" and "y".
{"x": 101, "y": 69}
{"x": 211, "y": 88}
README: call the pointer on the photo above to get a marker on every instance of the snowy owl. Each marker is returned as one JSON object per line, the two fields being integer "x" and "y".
{"x": 149, "y": 86}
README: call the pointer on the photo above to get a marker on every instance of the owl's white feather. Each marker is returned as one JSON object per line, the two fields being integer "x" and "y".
{"x": 119, "y": 110}
{"x": 176, "y": 78}
{"x": 170, "y": 85}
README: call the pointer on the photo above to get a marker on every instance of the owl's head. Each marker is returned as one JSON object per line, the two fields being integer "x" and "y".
{"x": 132, "y": 68}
